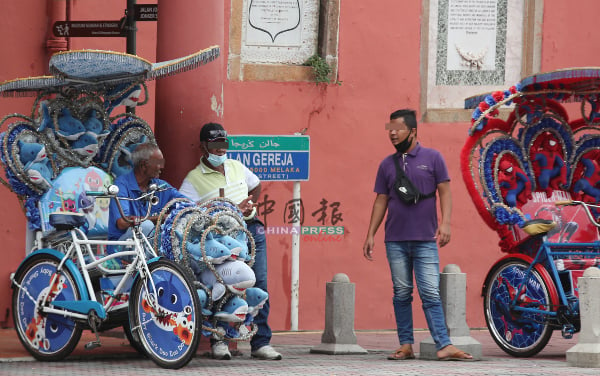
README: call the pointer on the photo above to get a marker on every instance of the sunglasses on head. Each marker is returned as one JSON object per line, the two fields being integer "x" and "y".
{"x": 216, "y": 133}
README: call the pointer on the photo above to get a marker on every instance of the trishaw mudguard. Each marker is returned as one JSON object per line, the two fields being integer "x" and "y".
{"x": 68, "y": 264}
{"x": 552, "y": 292}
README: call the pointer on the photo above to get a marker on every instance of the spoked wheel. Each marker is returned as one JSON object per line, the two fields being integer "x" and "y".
{"x": 133, "y": 339}
{"x": 164, "y": 315}
{"x": 46, "y": 336}
{"x": 518, "y": 333}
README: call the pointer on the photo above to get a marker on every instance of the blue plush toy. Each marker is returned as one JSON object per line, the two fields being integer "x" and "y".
{"x": 129, "y": 97}
{"x": 69, "y": 127}
{"x": 121, "y": 164}
{"x": 216, "y": 253}
{"x": 35, "y": 162}
{"x": 30, "y": 152}
{"x": 203, "y": 296}
{"x": 39, "y": 174}
{"x": 85, "y": 145}
{"x": 93, "y": 125}
{"x": 256, "y": 299}
{"x": 233, "y": 245}
{"x": 233, "y": 311}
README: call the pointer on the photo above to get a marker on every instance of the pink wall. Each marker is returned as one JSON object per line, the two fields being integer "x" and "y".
{"x": 379, "y": 65}
{"x": 23, "y": 32}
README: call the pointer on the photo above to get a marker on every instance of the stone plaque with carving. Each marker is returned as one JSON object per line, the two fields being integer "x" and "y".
{"x": 274, "y": 23}
{"x": 472, "y": 42}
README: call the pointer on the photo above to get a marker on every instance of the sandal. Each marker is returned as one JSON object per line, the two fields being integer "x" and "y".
{"x": 458, "y": 356}
{"x": 402, "y": 354}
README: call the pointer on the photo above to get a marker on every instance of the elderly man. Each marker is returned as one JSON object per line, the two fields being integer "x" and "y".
{"x": 148, "y": 162}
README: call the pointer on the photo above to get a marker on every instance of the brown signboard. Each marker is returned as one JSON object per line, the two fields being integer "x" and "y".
{"x": 68, "y": 29}
{"x": 146, "y": 12}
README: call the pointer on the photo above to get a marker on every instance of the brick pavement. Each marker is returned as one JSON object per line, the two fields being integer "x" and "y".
{"x": 116, "y": 358}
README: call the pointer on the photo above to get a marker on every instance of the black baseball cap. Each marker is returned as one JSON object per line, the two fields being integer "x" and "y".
{"x": 213, "y": 132}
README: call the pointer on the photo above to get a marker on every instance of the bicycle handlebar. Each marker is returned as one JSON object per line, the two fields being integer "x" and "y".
{"x": 112, "y": 192}
{"x": 586, "y": 207}
{"x": 564, "y": 203}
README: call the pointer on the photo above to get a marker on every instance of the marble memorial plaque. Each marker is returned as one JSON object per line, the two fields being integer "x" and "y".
{"x": 474, "y": 46}
{"x": 274, "y": 23}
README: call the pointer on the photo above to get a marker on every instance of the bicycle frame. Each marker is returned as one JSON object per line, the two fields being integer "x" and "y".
{"x": 80, "y": 242}
{"x": 139, "y": 243}
{"x": 546, "y": 255}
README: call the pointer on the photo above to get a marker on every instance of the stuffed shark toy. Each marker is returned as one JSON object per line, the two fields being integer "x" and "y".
{"x": 216, "y": 253}
{"x": 237, "y": 276}
{"x": 124, "y": 97}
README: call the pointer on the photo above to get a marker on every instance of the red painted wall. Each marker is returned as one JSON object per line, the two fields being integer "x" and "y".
{"x": 379, "y": 65}
{"x": 23, "y": 34}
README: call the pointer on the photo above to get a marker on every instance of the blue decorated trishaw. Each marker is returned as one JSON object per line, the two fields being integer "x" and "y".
{"x": 192, "y": 278}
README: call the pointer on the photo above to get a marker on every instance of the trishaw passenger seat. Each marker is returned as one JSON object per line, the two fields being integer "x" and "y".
{"x": 66, "y": 220}
{"x": 538, "y": 226}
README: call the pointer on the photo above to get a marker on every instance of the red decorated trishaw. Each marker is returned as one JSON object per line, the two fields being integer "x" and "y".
{"x": 535, "y": 179}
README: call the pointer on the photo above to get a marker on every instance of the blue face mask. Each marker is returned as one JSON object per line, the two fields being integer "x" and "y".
{"x": 216, "y": 160}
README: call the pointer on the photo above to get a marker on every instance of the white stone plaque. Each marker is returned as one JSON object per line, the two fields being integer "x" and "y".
{"x": 274, "y": 23}
{"x": 490, "y": 35}
{"x": 472, "y": 34}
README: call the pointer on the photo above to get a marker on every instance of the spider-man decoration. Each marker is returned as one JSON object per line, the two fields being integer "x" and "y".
{"x": 548, "y": 158}
{"x": 588, "y": 187}
{"x": 512, "y": 319}
{"x": 514, "y": 184}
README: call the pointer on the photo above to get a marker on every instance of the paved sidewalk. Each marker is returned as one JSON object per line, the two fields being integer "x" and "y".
{"x": 116, "y": 357}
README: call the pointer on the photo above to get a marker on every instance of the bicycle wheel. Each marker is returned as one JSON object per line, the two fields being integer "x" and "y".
{"x": 166, "y": 320}
{"x": 520, "y": 334}
{"x": 47, "y": 337}
{"x": 133, "y": 339}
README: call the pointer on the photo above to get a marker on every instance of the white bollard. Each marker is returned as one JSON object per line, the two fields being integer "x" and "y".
{"x": 453, "y": 292}
{"x": 339, "y": 337}
{"x": 586, "y": 353}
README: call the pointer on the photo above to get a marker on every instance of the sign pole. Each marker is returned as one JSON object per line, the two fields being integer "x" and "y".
{"x": 295, "y": 265}
{"x": 131, "y": 38}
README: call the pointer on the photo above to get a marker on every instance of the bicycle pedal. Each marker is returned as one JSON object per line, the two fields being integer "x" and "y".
{"x": 92, "y": 345}
{"x": 567, "y": 331}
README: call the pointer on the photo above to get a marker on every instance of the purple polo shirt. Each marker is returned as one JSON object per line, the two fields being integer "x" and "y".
{"x": 426, "y": 169}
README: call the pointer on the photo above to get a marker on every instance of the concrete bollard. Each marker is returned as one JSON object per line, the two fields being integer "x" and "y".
{"x": 453, "y": 292}
{"x": 338, "y": 337}
{"x": 586, "y": 353}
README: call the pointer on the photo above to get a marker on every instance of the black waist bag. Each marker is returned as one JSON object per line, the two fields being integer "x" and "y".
{"x": 405, "y": 189}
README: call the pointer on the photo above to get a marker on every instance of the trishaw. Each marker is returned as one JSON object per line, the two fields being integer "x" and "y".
{"x": 535, "y": 179}
{"x": 193, "y": 277}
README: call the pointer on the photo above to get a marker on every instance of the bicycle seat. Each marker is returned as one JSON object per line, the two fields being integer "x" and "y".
{"x": 538, "y": 226}
{"x": 66, "y": 220}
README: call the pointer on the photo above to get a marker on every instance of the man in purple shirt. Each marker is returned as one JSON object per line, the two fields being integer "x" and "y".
{"x": 411, "y": 231}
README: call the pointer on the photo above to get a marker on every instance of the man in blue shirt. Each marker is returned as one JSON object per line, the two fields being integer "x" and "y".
{"x": 148, "y": 162}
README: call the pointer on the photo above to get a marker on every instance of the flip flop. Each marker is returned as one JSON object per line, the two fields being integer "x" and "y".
{"x": 401, "y": 354}
{"x": 457, "y": 356}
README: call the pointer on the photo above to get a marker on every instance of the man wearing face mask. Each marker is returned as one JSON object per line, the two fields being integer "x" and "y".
{"x": 411, "y": 231}
{"x": 242, "y": 186}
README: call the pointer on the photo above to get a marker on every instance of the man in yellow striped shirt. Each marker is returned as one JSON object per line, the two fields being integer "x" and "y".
{"x": 215, "y": 173}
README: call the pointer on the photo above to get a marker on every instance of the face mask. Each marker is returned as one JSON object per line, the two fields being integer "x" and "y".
{"x": 403, "y": 146}
{"x": 216, "y": 160}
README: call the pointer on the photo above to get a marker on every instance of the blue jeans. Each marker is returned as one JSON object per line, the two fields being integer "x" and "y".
{"x": 422, "y": 258}
{"x": 263, "y": 335}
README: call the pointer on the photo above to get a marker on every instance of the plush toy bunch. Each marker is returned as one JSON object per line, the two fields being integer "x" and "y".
{"x": 212, "y": 242}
